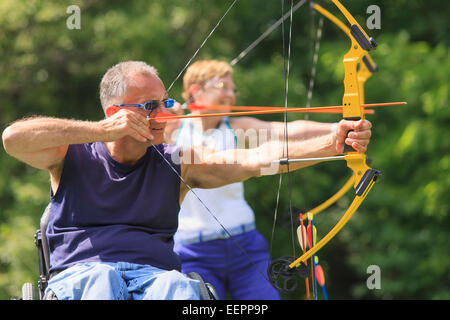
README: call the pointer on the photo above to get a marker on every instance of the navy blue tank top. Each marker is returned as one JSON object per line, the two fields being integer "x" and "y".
{"x": 107, "y": 211}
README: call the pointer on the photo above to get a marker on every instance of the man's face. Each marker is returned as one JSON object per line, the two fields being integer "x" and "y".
{"x": 145, "y": 88}
{"x": 217, "y": 91}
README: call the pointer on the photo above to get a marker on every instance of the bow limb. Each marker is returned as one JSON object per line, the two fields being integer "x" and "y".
{"x": 356, "y": 30}
{"x": 348, "y": 214}
{"x": 327, "y": 14}
{"x": 367, "y": 67}
{"x": 364, "y": 185}
{"x": 343, "y": 190}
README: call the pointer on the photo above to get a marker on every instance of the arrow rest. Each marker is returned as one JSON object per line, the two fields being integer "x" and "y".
{"x": 282, "y": 277}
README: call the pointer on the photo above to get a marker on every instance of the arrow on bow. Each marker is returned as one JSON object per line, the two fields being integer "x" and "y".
{"x": 258, "y": 110}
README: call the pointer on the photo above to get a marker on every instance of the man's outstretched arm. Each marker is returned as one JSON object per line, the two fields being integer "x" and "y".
{"x": 206, "y": 168}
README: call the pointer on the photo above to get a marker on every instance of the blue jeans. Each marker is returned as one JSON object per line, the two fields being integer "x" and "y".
{"x": 122, "y": 281}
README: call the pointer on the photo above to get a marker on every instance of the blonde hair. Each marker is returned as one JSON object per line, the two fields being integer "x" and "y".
{"x": 202, "y": 71}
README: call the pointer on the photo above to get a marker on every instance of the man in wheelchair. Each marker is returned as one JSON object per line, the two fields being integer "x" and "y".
{"x": 206, "y": 290}
{"x": 116, "y": 188}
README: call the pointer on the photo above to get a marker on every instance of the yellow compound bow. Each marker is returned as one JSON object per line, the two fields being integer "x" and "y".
{"x": 364, "y": 177}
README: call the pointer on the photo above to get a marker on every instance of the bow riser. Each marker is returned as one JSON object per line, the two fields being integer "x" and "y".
{"x": 358, "y": 164}
{"x": 351, "y": 102}
{"x": 361, "y": 44}
{"x": 366, "y": 69}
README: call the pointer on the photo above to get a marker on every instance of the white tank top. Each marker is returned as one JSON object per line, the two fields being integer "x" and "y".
{"x": 227, "y": 203}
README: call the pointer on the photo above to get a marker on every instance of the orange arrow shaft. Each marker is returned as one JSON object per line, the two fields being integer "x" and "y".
{"x": 169, "y": 116}
{"x": 331, "y": 109}
{"x": 255, "y": 108}
{"x": 269, "y": 110}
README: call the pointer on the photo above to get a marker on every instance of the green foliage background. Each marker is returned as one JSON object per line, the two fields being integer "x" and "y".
{"x": 402, "y": 227}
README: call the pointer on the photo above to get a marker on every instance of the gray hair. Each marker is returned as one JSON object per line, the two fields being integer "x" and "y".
{"x": 116, "y": 80}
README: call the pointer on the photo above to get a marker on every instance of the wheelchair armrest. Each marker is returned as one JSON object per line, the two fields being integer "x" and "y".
{"x": 43, "y": 225}
{"x": 207, "y": 291}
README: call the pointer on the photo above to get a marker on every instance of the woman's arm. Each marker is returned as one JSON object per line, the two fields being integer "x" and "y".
{"x": 300, "y": 129}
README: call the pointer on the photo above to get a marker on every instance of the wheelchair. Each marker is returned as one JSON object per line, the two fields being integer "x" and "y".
{"x": 207, "y": 291}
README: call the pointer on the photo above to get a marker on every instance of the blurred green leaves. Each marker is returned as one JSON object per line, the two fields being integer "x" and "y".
{"x": 402, "y": 226}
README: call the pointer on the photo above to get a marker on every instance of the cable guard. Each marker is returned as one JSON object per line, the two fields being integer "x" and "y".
{"x": 282, "y": 277}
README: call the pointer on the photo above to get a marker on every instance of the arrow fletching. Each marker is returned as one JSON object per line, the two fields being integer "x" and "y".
{"x": 312, "y": 237}
{"x": 320, "y": 277}
{"x": 301, "y": 237}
